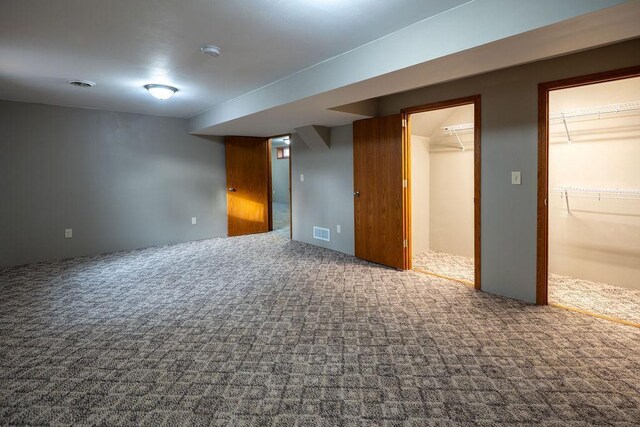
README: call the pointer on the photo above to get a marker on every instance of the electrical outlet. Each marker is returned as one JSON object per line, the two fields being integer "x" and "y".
{"x": 194, "y": 220}
{"x": 338, "y": 229}
{"x": 516, "y": 178}
{"x": 301, "y": 178}
{"x": 68, "y": 233}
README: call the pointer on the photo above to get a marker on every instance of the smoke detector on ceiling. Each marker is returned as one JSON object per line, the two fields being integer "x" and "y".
{"x": 81, "y": 83}
{"x": 211, "y": 50}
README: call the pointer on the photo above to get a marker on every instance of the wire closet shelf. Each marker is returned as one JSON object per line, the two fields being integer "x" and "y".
{"x": 597, "y": 111}
{"x": 457, "y": 130}
{"x": 598, "y": 193}
{"x": 595, "y": 193}
{"x": 592, "y": 113}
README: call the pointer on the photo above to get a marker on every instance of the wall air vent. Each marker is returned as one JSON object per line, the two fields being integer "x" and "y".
{"x": 321, "y": 234}
{"x": 81, "y": 83}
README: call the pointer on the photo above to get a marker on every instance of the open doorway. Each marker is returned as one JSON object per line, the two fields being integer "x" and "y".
{"x": 444, "y": 144}
{"x": 258, "y": 185}
{"x": 593, "y": 196}
{"x": 281, "y": 183}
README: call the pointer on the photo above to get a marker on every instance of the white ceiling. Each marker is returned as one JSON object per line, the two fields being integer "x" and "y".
{"x": 581, "y": 97}
{"x": 124, "y": 44}
{"x": 430, "y": 123}
{"x": 479, "y": 36}
{"x": 468, "y": 40}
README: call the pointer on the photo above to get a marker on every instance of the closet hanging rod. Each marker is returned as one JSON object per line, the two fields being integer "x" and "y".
{"x": 597, "y": 110}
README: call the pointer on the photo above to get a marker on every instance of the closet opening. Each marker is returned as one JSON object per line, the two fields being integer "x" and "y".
{"x": 589, "y": 195}
{"x": 280, "y": 149}
{"x": 444, "y": 189}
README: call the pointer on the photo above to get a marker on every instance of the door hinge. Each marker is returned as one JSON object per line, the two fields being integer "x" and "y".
{"x": 404, "y": 123}
{"x": 405, "y": 243}
{"x": 405, "y": 183}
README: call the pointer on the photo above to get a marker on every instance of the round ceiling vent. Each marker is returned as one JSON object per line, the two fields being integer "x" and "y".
{"x": 81, "y": 83}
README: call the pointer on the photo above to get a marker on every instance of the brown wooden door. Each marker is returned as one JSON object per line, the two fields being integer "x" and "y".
{"x": 378, "y": 164}
{"x": 248, "y": 185}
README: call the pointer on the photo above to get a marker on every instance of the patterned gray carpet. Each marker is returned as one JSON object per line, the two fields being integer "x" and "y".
{"x": 444, "y": 264}
{"x": 594, "y": 297}
{"x": 217, "y": 333}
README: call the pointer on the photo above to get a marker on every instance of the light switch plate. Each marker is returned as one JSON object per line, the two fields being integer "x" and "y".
{"x": 68, "y": 233}
{"x": 516, "y": 178}
{"x": 338, "y": 229}
{"x": 194, "y": 220}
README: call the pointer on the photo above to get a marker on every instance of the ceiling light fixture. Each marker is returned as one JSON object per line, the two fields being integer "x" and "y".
{"x": 211, "y": 50}
{"x": 161, "y": 91}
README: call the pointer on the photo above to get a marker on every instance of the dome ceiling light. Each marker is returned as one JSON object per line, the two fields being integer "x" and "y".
{"x": 211, "y": 50}
{"x": 161, "y": 91}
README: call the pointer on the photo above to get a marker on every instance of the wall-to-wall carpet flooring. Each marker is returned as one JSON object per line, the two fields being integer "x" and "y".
{"x": 217, "y": 332}
{"x": 593, "y": 297}
{"x": 444, "y": 264}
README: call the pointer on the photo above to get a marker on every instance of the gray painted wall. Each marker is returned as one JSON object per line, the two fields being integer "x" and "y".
{"x": 279, "y": 178}
{"x": 509, "y": 143}
{"x": 325, "y": 198}
{"x": 120, "y": 181}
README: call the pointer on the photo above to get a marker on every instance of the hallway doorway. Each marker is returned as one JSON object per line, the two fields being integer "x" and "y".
{"x": 281, "y": 183}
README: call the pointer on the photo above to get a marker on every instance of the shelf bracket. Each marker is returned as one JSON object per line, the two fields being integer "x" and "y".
{"x": 566, "y": 128}
{"x": 566, "y": 201}
{"x": 459, "y": 140}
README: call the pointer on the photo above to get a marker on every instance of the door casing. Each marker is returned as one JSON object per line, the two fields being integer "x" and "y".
{"x": 542, "y": 261}
{"x": 475, "y": 100}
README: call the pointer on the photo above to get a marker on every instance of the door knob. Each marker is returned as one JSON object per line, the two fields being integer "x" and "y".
{"x": 356, "y": 193}
{"x": 232, "y": 189}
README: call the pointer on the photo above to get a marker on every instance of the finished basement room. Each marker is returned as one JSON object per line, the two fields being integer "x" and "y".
{"x": 320, "y": 213}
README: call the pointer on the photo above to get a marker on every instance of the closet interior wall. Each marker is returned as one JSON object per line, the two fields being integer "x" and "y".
{"x": 442, "y": 181}
{"x": 594, "y": 182}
